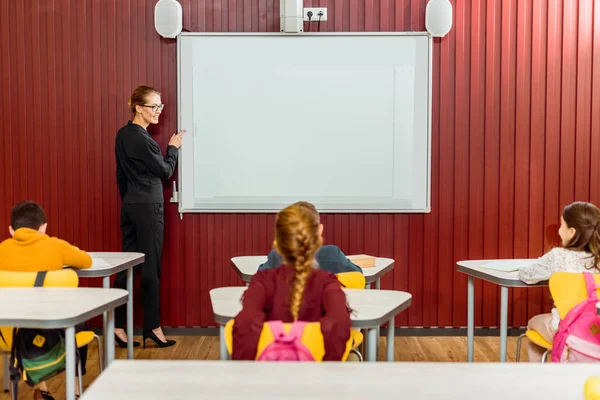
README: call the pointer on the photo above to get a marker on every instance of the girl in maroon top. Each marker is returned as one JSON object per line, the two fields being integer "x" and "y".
{"x": 296, "y": 290}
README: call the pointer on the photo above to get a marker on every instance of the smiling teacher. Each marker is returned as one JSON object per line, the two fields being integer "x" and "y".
{"x": 141, "y": 168}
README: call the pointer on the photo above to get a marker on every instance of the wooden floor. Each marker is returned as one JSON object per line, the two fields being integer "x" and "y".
{"x": 414, "y": 349}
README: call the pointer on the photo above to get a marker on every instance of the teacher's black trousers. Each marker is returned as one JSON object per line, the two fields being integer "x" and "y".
{"x": 142, "y": 226}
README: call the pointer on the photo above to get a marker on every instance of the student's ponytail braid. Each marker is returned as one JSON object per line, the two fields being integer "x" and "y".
{"x": 297, "y": 238}
{"x": 307, "y": 247}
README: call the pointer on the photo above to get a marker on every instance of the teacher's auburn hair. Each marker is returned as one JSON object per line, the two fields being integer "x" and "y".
{"x": 297, "y": 239}
{"x": 139, "y": 96}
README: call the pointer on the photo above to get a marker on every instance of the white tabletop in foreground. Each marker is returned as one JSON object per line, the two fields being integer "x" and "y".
{"x": 371, "y": 307}
{"x": 117, "y": 262}
{"x": 145, "y": 379}
{"x": 508, "y": 279}
{"x": 49, "y": 308}
{"x": 247, "y": 266}
{"x": 56, "y": 308}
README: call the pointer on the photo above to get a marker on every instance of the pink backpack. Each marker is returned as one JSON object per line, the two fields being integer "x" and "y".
{"x": 578, "y": 335}
{"x": 286, "y": 347}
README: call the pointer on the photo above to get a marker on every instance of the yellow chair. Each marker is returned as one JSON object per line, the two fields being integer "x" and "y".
{"x": 537, "y": 339}
{"x": 61, "y": 278}
{"x": 567, "y": 289}
{"x": 352, "y": 280}
{"x": 312, "y": 338}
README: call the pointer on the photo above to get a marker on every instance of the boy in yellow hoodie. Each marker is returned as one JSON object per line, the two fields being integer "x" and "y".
{"x": 31, "y": 250}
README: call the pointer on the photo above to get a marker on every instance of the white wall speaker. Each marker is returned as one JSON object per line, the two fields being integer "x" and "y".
{"x": 438, "y": 17}
{"x": 168, "y": 18}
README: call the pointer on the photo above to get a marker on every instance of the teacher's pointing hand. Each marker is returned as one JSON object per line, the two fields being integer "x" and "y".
{"x": 176, "y": 139}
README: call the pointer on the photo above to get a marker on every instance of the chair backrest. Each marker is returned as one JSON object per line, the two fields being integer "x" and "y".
{"x": 62, "y": 278}
{"x": 568, "y": 289}
{"x": 352, "y": 280}
{"x": 312, "y": 338}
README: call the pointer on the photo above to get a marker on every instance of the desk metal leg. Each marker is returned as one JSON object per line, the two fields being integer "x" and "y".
{"x": 377, "y": 343}
{"x": 503, "y": 321}
{"x": 363, "y": 346}
{"x": 222, "y": 345}
{"x": 378, "y": 287}
{"x": 70, "y": 367}
{"x": 372, "y": 345}
{"x": 390, "y": 339}
{"x": 105, "y": 285}
{"x": 470, "y": 318}
{"x": 366, "y": 334}
{"x": 5, "y": 374}
{"x": 110, "y": 337}
{"x": 130, "y": 314}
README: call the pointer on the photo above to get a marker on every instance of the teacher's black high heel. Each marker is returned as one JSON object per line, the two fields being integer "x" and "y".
{"x": 123, "y": 344}
{"x": 148, "y": 334}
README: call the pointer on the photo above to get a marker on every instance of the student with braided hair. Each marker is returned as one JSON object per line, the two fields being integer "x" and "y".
{"x": 296, "y": 290}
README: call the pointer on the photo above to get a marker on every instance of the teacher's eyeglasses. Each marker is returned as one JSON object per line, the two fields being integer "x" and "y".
{"x": 156, "y": 108}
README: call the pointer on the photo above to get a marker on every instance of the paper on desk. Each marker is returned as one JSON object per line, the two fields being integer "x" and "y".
{"x": 507, "y": 265}
{"x": 99, "y": 263}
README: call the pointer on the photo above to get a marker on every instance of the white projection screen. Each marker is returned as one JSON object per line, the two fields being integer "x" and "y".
{"x": 340, "y": 120}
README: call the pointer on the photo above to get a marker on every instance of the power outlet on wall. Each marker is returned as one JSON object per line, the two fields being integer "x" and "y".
{"x": 315, "y": 14}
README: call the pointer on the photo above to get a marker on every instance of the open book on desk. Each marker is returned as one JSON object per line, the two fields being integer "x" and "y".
{"x": 508, "y": 265}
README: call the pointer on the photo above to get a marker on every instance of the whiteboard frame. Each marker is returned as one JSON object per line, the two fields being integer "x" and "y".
{"x": 425, "y": 210}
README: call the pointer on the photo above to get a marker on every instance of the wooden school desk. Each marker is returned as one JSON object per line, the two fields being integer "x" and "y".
{"x": 225, "y": 380}
{"x": 247, "y": 266}
{"x": 503, "y": 279}
{"x": 61, "y": 308}
{"x": 106, "y": 264}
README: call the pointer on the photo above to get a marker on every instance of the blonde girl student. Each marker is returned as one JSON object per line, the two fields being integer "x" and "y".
{"x": 580, "y": 252}
{"x": 296, "y": 290}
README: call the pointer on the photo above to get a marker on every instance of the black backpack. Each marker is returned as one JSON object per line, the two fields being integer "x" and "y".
{"x": 37, "y": 354}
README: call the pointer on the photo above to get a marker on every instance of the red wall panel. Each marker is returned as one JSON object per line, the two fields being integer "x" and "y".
{"x": 522, "y": 143}
{"x": 515, "y": 132}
